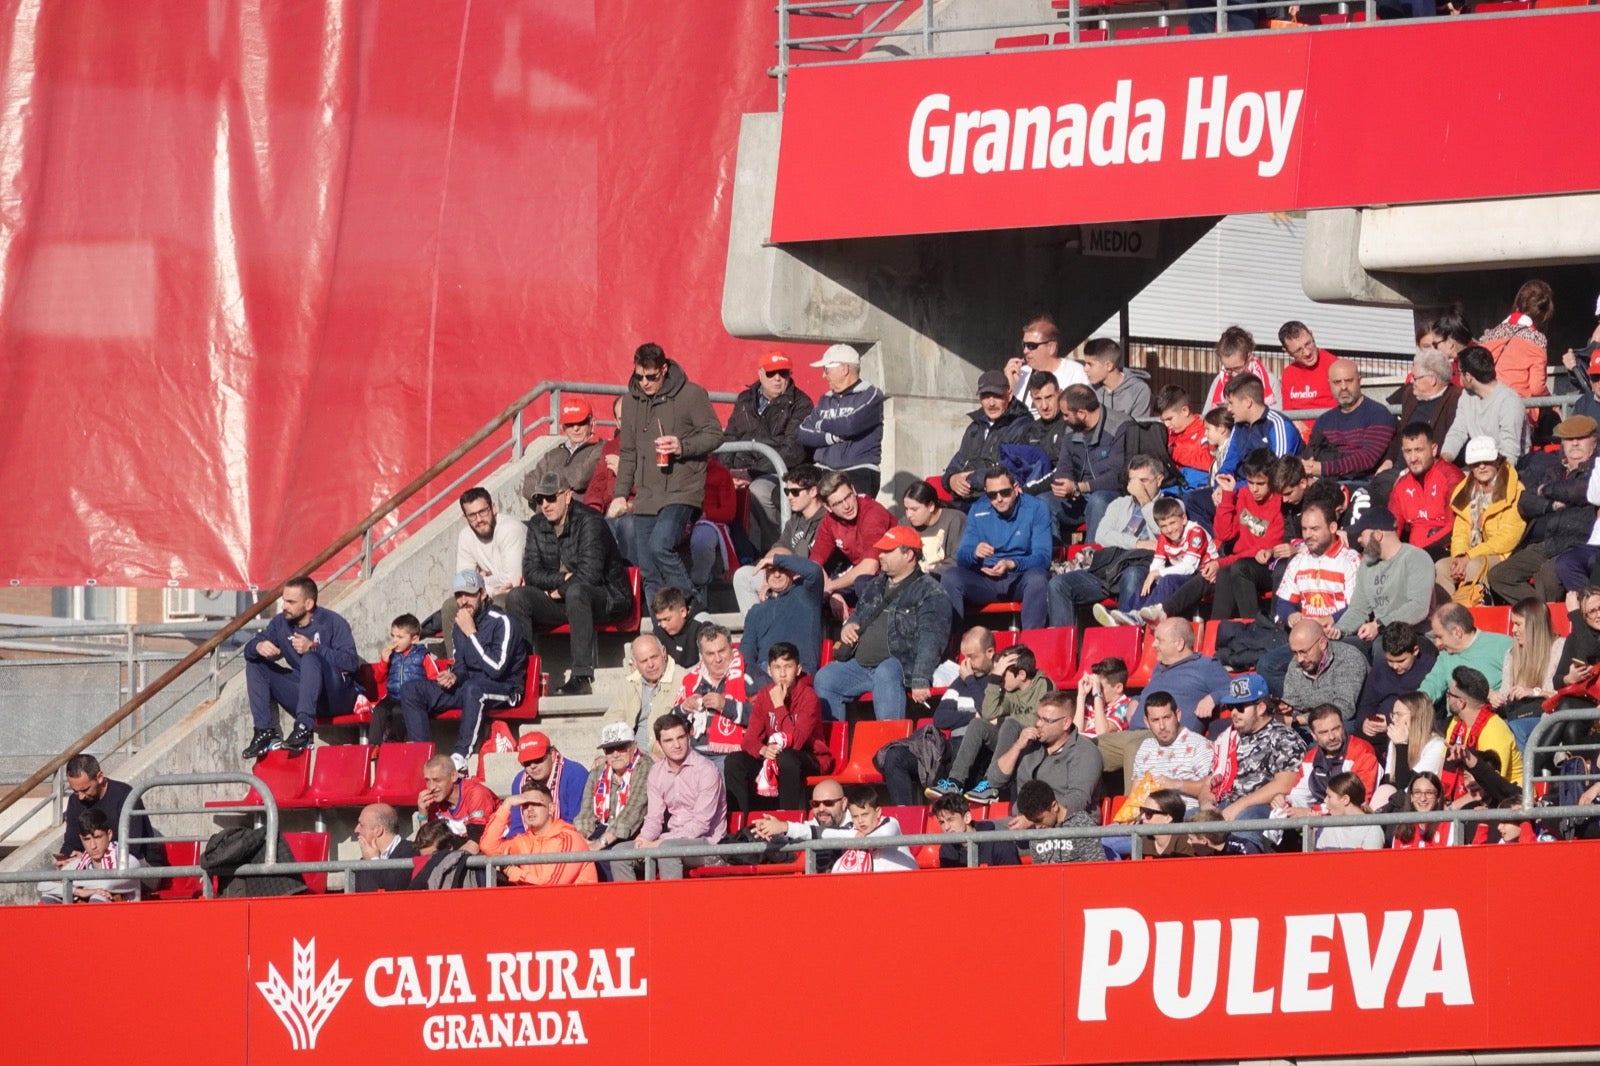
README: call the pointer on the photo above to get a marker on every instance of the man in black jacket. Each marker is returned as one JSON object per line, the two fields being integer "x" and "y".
{"x": 572, "y": 575}
{"x": 378, "y": 834}
{"x": 998, "y": 420}
{"x": 769, "y": 411}
{"x": 1555, "y": 504}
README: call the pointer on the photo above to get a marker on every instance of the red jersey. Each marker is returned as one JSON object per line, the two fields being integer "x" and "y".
{"x": 471, "y": 811}
{"x": 1422, "y": 508}
{"x": 1188, "y": 446}
{"x": 1306, "y": 387}
{"x": 853, "y": 539}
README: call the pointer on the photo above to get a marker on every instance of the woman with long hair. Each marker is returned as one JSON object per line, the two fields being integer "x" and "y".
{"x": 1528, "y": 674}
{"x": 1347, "y": 795}
{"x": 939, "y": 526}
{"x": 1415, "y": 747}
{"x": 1423, "y": 796}
{"x": 1164, "y": 806}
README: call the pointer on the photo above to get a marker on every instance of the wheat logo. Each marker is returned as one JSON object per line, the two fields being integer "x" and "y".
{"x": 304, "y": 1008}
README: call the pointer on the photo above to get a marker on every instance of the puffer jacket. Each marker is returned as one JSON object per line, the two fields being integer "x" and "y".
{"x": 778, "y": 427}
{"x": 683, "y": 410}
{"x": 980, "y": 444}
{"x": 1502, "y": 523}
{"x": 919, "y": 624}
{"x": 585, "y": 549}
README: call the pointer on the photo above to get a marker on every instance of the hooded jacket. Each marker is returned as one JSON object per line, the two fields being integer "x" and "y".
{"x": 1132, "y": 397}
{"x": 683, "y": 410}
{"x": 778, "y": 426}
{"x": 980, "y": 444}
{"x": 1502, "y": 523}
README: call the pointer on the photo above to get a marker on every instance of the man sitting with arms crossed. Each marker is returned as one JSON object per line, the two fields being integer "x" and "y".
{"x": 545, "y": 834}
{"x": 896, "y": 637}
{"x": 305, "y": 661}
{"x": 615, "y": 794}
{"x": 490, "y": 670}
{"x": 686, "y": 802}
{"x": 459, "y": 802}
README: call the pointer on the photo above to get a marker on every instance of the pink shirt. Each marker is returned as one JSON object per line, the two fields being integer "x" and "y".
{"x": 687, "y": 803}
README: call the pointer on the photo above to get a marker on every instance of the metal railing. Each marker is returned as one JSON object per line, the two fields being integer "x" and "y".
{"x": 1538, "y": 746}
{"x": 969, "y": 841}
{"x": 370, "y": 546}
{"x": 900, "y": 29}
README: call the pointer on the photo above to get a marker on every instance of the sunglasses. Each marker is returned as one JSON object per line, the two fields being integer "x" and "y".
{"x": 1029, "y": 346}
{"x": 656, "y": 375}
{"x": 1146, "y": 812}
{"x": 787, "y": 491}
{"x": 1000, "y": 494}
{"x": 825, "y": 803}
{"x": 540, "y": 500}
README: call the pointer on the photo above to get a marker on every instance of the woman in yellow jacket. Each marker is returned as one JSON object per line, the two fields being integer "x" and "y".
{"x": 1488, "y": 526}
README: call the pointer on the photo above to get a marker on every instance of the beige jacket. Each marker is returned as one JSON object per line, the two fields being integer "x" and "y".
{"x": 626, "y": 707}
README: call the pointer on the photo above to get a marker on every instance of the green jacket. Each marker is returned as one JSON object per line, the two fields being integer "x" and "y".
{"x": 683, "y": 410}
{"x": 1021, "y": 704}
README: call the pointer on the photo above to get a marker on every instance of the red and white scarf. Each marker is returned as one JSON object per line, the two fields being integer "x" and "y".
{"x": 1451, "y": 776}
{"x": 857, "y": 860}
{"x": 554, "y": 783}
{"x": 1226, "y": 765}
{"x": 721, "y": 734}
{"x": 602, "y": 791}
{"x": 767, "y": 776}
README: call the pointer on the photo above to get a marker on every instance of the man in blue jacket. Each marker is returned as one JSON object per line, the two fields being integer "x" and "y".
{"x": 1004, "y": 553}
{"x": 490, "y": 670}
{"x": 845, "y": 428}
{"x": 304, "y": 661}
{"x": 792, "y": 613}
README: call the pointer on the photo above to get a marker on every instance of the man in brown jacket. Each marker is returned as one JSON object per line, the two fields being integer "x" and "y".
{"x": 668, "y": 429}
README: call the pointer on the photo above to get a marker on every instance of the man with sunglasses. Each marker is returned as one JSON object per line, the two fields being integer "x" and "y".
{"x": 769, "y": 411}
{"x": 573, "y": 574}
{"x": 1005, "y": 552}
{"x": 828, "y": 811}
{"x": 668, "y": 430}
{"x": 1041, "y": 355}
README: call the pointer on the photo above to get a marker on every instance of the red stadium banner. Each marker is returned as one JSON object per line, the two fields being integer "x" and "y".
{"x": 1369, "y": 953}
{"x": 1199, "y": 126}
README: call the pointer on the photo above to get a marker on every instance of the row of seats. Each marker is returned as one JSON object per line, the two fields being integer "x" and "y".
{"x": 305, "y": 847}
{"x": 339, "y": 775}
{"x": 526, "y": 711}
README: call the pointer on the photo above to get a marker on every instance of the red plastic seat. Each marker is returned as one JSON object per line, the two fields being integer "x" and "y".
{"x": 1091, "y": 36}
{"x": 1492, "y": 619}
{"x": 1109, "y": 806}
{"x": 1560, "y": 620}
{"x": 838, "y": 743}
{"x": 1139, "y": 675}
{"x": 286, "y": 775}
{"x": 526, "y": 711}
{"x": 1102, "y": 641}
{"x": 1025, "y": 40}
{"x": 397, "y": 772}
{"x": 310, "y": 847}
{"x": 910, "y": 818}
{"x": 868, "y": 737}
{"x": 179, "y": 853}
{"x": 1502, "y": 5}
{"x": 1133, "y": 33}
{"x": 628, "y": 623}
{"x": 998, "y": 810}
{"x": 927, "y": 855}
{"x": 340, "y": 777}
{"x": 1055, "y": 648}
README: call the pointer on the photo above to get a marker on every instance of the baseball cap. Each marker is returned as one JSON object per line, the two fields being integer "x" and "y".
{"x": 548, "y": 484}
{"x": 839, "y": 353}
{"x": 1576, "y": 427}
{"x": 1480, "y": 450}
{"x": 773, "y": 361}
{"x": 615, "y": 735}
{"x": 1590, "y": 351}
{"x": 533, "y": 746}
{"x": 1379, "y": 518}
{"x": 899, "y": 537}
{"x": 1244, "y": 690}
{"x": 467, "y": 581}
{"x": 993, "y": 383}
{"x": 574, "y": 411}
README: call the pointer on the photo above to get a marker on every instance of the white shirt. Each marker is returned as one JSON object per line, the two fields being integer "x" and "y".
{"x": 500, "y": 558}
{"x": 1070, "y": 372}
{"x": 1188, "y": 758}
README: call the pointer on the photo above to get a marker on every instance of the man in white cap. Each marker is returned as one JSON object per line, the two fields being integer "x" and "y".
{"x": 846, "y": 426}
{"x": 490, "y": 670}
{"x": 576, "y": 456}
{"x": 616, "y": 792}
{"x": 769, "y": 411}
{"x": 1488, "y": 525}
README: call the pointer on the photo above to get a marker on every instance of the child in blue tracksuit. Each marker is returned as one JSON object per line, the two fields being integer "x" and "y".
{"x": 404, "y": 660}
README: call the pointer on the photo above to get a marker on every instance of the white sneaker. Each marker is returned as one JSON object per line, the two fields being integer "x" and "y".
{"x": 460, "y": 762}
{"x": 1153, "y": 614}
{"x": 1105, "y": 617}
{"x": 1124, "y": 618}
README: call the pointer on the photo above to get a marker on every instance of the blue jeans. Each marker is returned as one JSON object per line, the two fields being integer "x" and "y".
{"x": 657, "y": 538}
{"x": 840, "y": 682}
{"x": 1573, "y": 566}
{"x": 971, "y": 588}
{"x": 306, "y": 693}
{"x": 1080, "y": 588}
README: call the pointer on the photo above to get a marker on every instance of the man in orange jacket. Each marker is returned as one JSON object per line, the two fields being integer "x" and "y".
{"x": 545, "y": 834}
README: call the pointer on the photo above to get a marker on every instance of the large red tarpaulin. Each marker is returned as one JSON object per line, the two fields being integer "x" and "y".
{"x": 1471, "y": 109}
{"x": 1372, "y": 953}
{"x": 261, "y": 263}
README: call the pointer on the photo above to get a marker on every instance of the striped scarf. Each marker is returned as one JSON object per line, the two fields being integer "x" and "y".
{"x": 603, "y": 790}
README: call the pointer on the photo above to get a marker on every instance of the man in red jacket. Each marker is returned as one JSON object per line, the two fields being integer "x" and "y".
{"x": 785, "y": 741}
{"x": 1335, "y": 752}
{"x": 1420, "y": 500}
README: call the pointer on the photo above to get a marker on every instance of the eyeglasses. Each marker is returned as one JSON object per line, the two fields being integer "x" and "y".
{"x": 539, "y": 499}
{"x": 790, "y": 491}
{"x": 826, "y": 803}
{"x": 1000, "y": 494}
{"x": 481, "y": 512}
{"x": 651, "y": 375}
{"x": 1042, "y": 720}
{"x": 1029, "y": 346}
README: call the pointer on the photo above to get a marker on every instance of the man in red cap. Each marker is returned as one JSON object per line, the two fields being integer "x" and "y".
{"x": 544, "y": 765}
{"x": 575, "y": 457}
{"x": 895, "y": 638}
{"x": 769, "y": 411}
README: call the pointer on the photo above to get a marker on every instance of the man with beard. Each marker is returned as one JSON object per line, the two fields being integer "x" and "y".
{"x": 1393, "y": 584}
{"x": 828, "y": 811}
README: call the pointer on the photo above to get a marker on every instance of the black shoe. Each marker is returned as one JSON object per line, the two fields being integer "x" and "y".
{"x": 261, "y": 742}
{"x": 576, "y": 686}
{"x": 299, "y": 740}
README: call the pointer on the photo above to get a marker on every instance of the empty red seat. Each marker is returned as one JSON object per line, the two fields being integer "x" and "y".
{"x": 340, "y": 777}
{"x": 838, "y": 743}
{"x": 1502, "y": 5}
{"x": 1560, "y": 620}
{"x": 868, "y": 737}
{"x": 397, "y": 772}
{"x": 1102, "y": 641}
{"x": 1055, "y": 648}
{"x": 1025, "y": 40}
{"x": 1132, "y": 33}
{"x": 1088, "y": 36}
{"x": 179, "y": 853}
{"x": 927, "y": 855}
{"x": 286, "y": 775}
{"x": 310, "y": 847}
{"x": 1109, "y": 806}
{"x": 1492, "y": 619}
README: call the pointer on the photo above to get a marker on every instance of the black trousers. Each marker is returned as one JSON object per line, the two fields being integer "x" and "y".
{"x": 739, "y": 771}
{"x": 581, "y": 606}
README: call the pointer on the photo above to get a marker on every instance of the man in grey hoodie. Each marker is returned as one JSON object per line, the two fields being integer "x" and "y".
{"x": 1119, "y": 386}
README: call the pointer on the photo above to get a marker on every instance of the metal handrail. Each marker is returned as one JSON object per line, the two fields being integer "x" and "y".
{"x": 512, "y": 414}
{"x": 1547, "y": 724}
{"x": 810, "y": 848}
